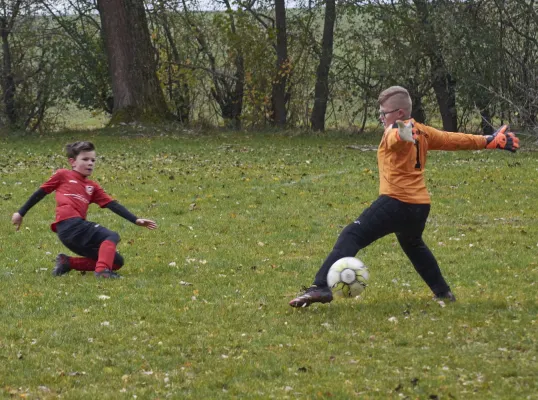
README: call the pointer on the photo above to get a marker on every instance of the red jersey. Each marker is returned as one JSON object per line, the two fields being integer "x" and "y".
{"x": 74, "y": 193}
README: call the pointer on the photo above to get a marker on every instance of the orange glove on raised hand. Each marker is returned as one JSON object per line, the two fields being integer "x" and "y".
{"x": 502, "y": 139}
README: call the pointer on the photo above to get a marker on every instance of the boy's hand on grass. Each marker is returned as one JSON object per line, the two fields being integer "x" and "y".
{"x": 502, "y": 139}
{"x": 16, "y": 220}
{"x": 148, "y": 223}
{"x": 405, "y": 131}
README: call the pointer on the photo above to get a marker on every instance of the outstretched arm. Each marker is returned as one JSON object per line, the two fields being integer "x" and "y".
{"x": 35, "y": 198}
{"x": 117, "y": 208}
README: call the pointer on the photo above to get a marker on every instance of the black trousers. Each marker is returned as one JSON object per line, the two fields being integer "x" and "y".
{"x": 84, "y": 238}
{"x": 388, "y": 215}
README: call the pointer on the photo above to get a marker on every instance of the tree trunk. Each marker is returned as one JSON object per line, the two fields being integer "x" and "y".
{"x": 278, "y": 96}
{"x": 485, "y": 123}
{"x": 239, "y": 89}
{"x": 235, "y": 98}
{"x": 321, "y": 94}
{"x": 445, "y": 93}
{"x": 443, "y": 83}
{"x": 417, "y": 113}
{"x": 136, "y": 89}
{"x": 8, "y": 83}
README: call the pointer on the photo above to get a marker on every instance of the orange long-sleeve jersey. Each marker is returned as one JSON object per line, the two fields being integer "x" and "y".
{"x": 401, "y": 164}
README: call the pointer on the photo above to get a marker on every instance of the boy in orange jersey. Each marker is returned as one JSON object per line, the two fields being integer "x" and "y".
{"x": 403, "y": 204}
{"x": 74, "y": 193}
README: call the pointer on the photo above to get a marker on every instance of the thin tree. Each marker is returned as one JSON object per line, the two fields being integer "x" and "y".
{"x": 321, "y": 94}
{"x": 278, "y": 95}
{"x": 228, "y": 88}
{"x": 444, "y": 84}
{"x": 7, "y": 20}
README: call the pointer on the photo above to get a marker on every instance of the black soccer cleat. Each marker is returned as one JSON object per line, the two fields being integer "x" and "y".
{"x": 107, "y": 274}
{"x": 445, "y": 296}
{"x": 313, "y": 294}
{"x": 62, "y": 265}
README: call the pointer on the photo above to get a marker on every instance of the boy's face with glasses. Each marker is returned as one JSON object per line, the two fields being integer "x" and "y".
{"x": 389, "y": 115}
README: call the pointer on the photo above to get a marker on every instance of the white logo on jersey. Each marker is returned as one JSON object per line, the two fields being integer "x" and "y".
{"x": 72, "y": 181}
{"x": 89, "y": 190}
{"x": 78, "y": 197}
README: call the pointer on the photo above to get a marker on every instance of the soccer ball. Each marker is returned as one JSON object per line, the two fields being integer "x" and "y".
{"x": 347, "y": 277}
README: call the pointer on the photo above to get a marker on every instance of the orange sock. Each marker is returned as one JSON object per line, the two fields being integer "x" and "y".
{"x": 107, "y": 251}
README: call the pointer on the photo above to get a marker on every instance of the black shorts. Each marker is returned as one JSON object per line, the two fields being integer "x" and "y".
{"x": 85, "y": 238}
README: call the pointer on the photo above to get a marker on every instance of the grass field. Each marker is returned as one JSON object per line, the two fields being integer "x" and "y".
{"x": 244, "y": 221}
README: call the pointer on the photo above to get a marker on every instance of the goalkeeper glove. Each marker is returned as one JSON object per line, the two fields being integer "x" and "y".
{"x": 405, "y": 131}
{"x": 502, "y": 139}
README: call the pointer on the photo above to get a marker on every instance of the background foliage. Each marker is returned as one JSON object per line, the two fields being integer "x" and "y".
{"x": 53, "y": 57}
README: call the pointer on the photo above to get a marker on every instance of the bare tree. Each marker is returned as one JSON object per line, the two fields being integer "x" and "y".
{"x": 321, "y": 94}
{"x": 228, "y": 89}
{"x": 163, "y": 17}
{"x": 86, "y": 69}
{"x": 278, "y": 96}
{"x": 444, "y": 84}
{"x": 277, "y": 26}
{"x": 8, "y": 17}
{"x": 520, "y": 51}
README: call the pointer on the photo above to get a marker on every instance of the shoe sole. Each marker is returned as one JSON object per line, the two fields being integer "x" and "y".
{"x": 300, "y": 304}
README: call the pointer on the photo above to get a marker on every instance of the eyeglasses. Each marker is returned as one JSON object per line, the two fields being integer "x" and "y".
{"x": 384, "y": 113}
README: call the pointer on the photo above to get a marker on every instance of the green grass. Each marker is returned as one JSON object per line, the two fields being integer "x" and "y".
{"x": 247, "y": 220}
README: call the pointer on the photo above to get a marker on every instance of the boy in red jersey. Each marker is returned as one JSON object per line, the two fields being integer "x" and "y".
{"x": 403, "y": 204}
{"x": 74, "y": 193}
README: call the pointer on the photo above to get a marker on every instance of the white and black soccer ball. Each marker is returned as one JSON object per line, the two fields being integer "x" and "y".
{"x": 348, "y": 277}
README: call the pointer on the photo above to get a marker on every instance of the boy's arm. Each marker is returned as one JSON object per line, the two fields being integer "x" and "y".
{"x": 450, "y": 141}
{"x": 117, "y": 208}
{"x": 35, "y": 198}
{"x": 501, "y": 139}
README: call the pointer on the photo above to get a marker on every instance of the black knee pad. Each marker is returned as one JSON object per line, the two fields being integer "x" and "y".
{"x": 118, "y": 260}
{"x": 114, "y": 237}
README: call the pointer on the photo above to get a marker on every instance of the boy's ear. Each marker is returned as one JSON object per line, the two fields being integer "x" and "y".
{"x": 71, "y": 161}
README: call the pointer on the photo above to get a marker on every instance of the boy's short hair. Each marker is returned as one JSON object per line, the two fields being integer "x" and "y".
{"x": 396, "y": 97}
{"x": 74, "y": 149}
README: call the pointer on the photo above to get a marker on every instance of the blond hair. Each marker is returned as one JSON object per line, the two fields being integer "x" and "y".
{"x": 396, "y": 97}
